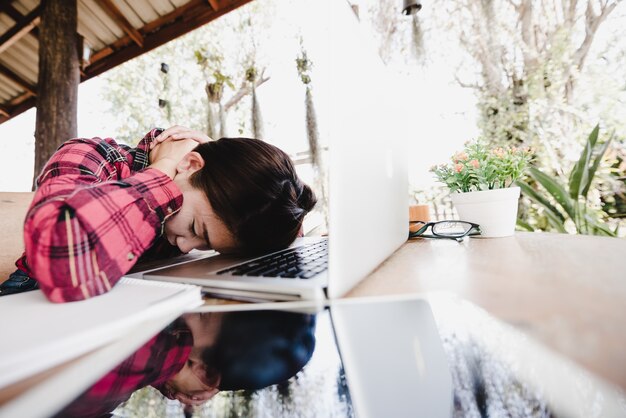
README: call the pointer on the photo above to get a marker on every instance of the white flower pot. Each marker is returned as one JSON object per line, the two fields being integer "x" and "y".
{"x": 494, "y": 210}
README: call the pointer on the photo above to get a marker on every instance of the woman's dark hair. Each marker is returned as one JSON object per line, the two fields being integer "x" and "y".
{"x": 254, "y": 189}
{"x": 257, "y": 349}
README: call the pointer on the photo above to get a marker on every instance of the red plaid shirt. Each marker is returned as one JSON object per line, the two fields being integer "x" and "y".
{"x": 97, "y": 209}
{"x": 153, "y": 364}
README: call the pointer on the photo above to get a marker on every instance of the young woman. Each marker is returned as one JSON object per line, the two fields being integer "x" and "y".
{"x": 100, "y": 205}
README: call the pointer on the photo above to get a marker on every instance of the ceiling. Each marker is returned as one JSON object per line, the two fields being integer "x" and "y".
{"x": 111, "y": 32}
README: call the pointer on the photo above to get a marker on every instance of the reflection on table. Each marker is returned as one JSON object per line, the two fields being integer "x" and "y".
{"x": 200, "y": 354}
{"x": 272, "y": 363}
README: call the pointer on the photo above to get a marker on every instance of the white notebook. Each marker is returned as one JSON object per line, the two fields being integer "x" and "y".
{"x": 36, "y": 334}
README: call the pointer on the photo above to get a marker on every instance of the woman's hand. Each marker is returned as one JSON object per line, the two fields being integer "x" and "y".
{"x": 165, "y": 156}
{"x": 171, "y": 145}
{"x": 177, "y": 133}
{"x": 195, "y": 398}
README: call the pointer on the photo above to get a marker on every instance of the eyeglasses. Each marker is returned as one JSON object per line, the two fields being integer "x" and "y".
{"x": 445, "y": 229}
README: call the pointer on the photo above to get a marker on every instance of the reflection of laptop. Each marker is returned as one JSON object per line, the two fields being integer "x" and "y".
{"x": 367, "y": 186}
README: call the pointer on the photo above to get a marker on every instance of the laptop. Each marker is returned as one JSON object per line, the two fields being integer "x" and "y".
{"x": 367, "y": 171}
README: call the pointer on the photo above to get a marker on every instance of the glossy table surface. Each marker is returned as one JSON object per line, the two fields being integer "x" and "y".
{"x": 566, "y": 292}
{"x": 541, "y": 312}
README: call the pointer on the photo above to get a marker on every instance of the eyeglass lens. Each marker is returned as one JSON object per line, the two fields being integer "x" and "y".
{"x": 451, "y": 228}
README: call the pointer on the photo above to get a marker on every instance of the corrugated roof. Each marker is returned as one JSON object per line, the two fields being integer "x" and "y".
{"x": 114, "y": 31}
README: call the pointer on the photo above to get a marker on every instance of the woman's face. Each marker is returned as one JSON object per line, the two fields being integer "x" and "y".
{"x": 195, "y": 225}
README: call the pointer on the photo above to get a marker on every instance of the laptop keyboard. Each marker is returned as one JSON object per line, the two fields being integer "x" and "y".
{"x": 301, "y": 262}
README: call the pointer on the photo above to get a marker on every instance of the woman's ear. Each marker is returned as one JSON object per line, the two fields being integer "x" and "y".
{"x": 190, "y": 163}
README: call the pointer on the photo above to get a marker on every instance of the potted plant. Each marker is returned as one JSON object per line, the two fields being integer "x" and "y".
{"x": 481, "y": 182}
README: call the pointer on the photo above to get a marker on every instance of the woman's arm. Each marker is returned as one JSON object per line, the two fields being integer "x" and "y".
{"x": 92, "y": 218}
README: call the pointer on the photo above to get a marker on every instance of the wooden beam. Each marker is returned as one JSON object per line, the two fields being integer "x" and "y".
{"x": 17, "y": 101}
{"x": 21, "y": 28}
{"x": 18, "y": 80}
{"x": 111, "y": 9}
{"x": 215, "y": 4}
{"x": 5, "y": 112}
{"x": 101, "y": 54}
{"x": 189, "y": 17}
{"x": 18, "y": 105}
{"x": 22, "y": 104}
{"x": 195, "y": 13}
{"x": 147, "y": 28}
{"x": 15, "y": 14}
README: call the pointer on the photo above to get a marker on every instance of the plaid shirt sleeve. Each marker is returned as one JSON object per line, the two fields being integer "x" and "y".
{"x": 97, "y": 208}
{"x": 153, "y": 364}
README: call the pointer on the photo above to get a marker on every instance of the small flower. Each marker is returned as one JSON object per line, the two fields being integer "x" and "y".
{"x": 460, "y": 156}
{"x": 434, "y": 167}
{"x": 499, "y": 167}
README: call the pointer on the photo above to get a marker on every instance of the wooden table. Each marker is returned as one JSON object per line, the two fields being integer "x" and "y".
{"x": 566, "y": 291}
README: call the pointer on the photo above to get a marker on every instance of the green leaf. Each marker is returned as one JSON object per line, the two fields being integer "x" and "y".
{"x": 537, "y": 198}
{"x": 555, "y": 222}
{"x": 600, "y": 228}
{"x": 593, "y": 136}
{"x": 555, "y": 189}
{"x": 525, "y": 226}
{"x": 200, "y": 58}
{"x": 594, "y": 167}
{"x": 578, "y": 177}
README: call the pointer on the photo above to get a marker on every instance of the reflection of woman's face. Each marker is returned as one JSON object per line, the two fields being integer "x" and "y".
{"x": 190, "y": 389}
{"x": 191, "y": 385}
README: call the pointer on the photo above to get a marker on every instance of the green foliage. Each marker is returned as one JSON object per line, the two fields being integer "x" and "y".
{"x": 212, "y": 65}
{"x": 535, "y": 84}
{"x": 251, "y": 74}
{"x": 133, "y": 91}
{"x": 504, "y": 119}
{"x": 563, "y": 203}
{"x": 479, "y": 168}
{"x": 304, "y": 66}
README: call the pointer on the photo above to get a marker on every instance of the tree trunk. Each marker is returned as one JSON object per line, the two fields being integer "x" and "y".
{"x": 257, "y": 120}
{"x": 59, "y": 76}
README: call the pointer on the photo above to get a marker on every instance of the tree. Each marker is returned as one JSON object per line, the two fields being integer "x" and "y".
{"x": 199, "y": 61}
{"x": 543, "y": 73}
{"x": 531, "y": 56}
{"x": 533, "y": 88}
{"x": 58, "y": 79}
